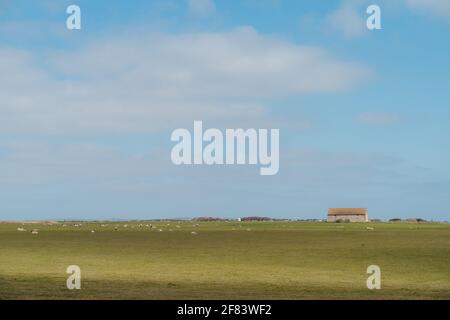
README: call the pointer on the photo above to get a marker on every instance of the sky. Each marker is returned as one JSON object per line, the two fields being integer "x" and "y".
{"x": 86, "y": 115}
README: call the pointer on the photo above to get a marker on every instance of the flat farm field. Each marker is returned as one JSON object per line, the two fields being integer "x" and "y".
{"x": 224, "y": 260}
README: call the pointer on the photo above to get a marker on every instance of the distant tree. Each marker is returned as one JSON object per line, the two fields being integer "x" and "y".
{"x": 207, "y": 219}
{"x": 256, "y": 219}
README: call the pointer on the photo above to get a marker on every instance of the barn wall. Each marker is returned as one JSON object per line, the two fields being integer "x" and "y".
{"x": 352, "y": 218}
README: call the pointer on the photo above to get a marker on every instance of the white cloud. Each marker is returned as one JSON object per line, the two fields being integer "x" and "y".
{"x": 439, "y": 8}
{"x": 157, "y": 83}
{"x": 201, "y": 8}
{"x": 348, "y": 20}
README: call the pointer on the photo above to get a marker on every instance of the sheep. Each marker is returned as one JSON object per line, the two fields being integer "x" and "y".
{"x": 92, "y": 231}
{"x": 34, "y": 231}
{"x": 160, "y": 230}
{"x": 369, "y": 228}
{"x": 21, "y": 229}
{"x": 193, "y": 232}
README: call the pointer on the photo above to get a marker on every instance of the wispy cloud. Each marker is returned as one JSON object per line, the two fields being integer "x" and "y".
{"x": 93, "y": 181}
{"x": 201, "y": 8}
{"x": 135, "y": 85}
{"x": 378, "y": 118}
{"x": 440, "y": 8}
{"x": 348, "y": 20}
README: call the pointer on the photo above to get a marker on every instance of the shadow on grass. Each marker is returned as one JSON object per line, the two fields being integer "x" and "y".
{"x": 26, "y": 287}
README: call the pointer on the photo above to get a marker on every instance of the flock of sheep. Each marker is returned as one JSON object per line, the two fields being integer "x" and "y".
{"x": 116, "y": 228}
{"x": 34, "y": 231}
{"x": 125, "y": 226}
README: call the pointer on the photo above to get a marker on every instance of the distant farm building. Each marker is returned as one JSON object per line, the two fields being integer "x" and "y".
{"x": 348, "y": 214}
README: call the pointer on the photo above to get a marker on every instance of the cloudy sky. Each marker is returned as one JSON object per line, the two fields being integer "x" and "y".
{"x": 86, "y": 115}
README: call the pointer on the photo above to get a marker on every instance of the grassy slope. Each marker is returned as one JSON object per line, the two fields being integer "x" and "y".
{"x": 282, "y": 260}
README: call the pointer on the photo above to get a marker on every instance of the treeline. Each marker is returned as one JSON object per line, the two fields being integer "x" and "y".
{"x": 253, "y": 218}
{"x": 416, "y": 220}
{"x": 208, "y": 219}
{"x": 256, "y": 219}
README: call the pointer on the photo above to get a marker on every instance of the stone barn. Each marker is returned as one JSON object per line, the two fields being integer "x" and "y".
{"x": 348, "y": 214}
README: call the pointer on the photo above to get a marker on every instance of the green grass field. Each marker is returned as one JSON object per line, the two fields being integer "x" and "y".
{"x": 225, "y": 260}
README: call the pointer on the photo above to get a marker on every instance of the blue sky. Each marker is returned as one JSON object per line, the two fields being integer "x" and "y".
{"x": 87, "y": 114}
